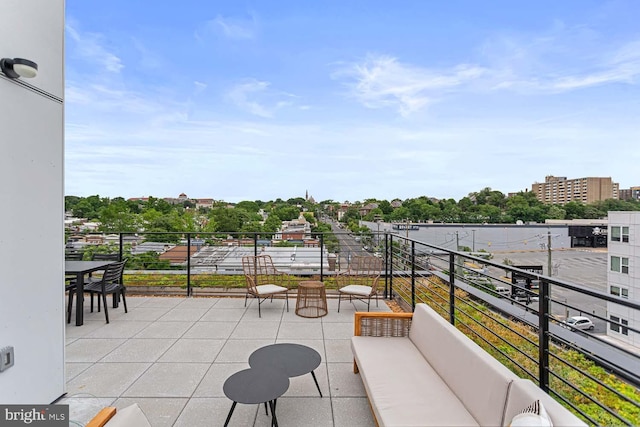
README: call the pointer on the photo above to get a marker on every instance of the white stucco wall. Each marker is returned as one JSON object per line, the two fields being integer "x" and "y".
{"x": 32, "y": 197}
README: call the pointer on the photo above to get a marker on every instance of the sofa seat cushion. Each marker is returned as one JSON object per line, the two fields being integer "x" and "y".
{"x": 404, "y": 390}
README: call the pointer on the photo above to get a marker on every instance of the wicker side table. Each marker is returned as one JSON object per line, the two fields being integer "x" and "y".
{"x": 311, "y": 300}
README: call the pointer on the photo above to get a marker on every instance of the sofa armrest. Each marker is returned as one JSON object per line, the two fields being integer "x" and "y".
{"x": 382, "y": 324}
{"x": 101, "y": 419}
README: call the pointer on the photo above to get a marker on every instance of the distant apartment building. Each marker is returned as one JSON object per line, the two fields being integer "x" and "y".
{"x": 558, "y": 190}
{"x": 623, "y": 274}
{"x": 632, "y": 193}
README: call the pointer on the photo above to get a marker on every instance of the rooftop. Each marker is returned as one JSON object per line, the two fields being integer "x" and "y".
{"x": 171, "y": 355}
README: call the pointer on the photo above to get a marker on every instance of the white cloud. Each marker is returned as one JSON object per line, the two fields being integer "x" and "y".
{"x": 91, "y": 47}
{"x": 257, "y": 98}
{"x": 234, "y": 28}
{"x": 382, "y": 81}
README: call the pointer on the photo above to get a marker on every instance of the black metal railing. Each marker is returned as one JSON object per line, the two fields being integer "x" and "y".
{"x": 511, "y": 312}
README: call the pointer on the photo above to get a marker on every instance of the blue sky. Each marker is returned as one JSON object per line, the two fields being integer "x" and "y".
{"x": 247, "y": 100}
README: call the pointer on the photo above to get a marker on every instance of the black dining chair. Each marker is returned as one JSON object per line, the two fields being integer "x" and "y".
{"x": 110, "y": 283}
{"x": 106, "y": 257}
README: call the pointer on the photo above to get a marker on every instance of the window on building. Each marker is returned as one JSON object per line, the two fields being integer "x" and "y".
{"x": 625, "y": 234}
{"x": 619, "y": 325}
{"x": 620, "y": 264}
{"x": 614, "y": 326}
{"x": 615, "y": 234}
{"x": 619, "y": 291}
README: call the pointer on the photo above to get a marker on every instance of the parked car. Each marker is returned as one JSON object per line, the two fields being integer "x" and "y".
{"x": 502, "y": 291}
{"x": 578, "y": 322}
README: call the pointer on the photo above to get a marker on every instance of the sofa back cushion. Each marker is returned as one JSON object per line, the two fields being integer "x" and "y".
{"x": 478, "y": 380}
{"x": 523, "y": 393}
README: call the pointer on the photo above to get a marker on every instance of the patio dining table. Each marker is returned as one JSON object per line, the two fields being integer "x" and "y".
{"x": 80, "y": 268}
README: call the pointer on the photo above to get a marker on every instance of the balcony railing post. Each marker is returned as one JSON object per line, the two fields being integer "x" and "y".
{"x": 390, "y": 258}
{"x": 322, "y": 257}
{"x": 255, "y": 244}
{"x": 543, "y": 335}
{"x": 189, "y": 290}
{"x": 120, "y": 249}
{"x": 386, "y": 267}
{"x": 413, "y": 276}
{"x": 452, "y": 280}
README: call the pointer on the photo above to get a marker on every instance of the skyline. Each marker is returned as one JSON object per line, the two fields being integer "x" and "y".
{"x": 347, "y": 100}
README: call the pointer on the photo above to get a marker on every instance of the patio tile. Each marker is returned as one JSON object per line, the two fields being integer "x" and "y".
{"x": 90, "y": 350}
{"x": 343, "y": 382}
{"x": 352, "y": 412}
{"x": 73, "y": 331}
{"x": 337, "y": 331}
{"x": 165, "y": 302}
{"x": 183, "y": 315}
{"x": 68, "y": 341}
{"x": 219, "y": 330}
{"x": 133, "y": 301}
{"x": 312, "y": 330}
{"x": 106, "y": 379}
{"x": 213, "y": 412}
{"x": 72, "y": 370}
{"x": 223, "y": 314}
{"x": 300, "y": 411}
{"x": 193, "y": 351}
{"x": 338, "y": 351}
{"x": 164, "y": 330}
{"x": 231, "y": 303}
{"x": 142, "y": 313}
{"x": 161, "y": 412}
{"x": 168, "y": 380}
{"x": 199, "y": 302}
{"x": 268, "y": 310}
{"x": 118, "y": 330}
{"x": 139, "y": 350}
{"x": 238, "y": 351}
{"x": 263, "y": 329}
{"x": 304, "y": 386}
{"x": 211, "y": 385}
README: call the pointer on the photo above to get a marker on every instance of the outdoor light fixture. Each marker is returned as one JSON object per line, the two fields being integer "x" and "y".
{"x": 18, "y": 67}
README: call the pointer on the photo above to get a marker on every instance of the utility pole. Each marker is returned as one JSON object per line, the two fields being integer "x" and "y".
{"x": 549, "y": 253}
{"x": 473, "y": 241}
{"x": 457, "y": 242}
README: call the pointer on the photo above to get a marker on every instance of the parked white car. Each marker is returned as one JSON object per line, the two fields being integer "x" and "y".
{"x": 579, "y": 322}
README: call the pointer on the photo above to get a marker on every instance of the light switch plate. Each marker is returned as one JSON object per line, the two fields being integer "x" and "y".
{"x": 6, "y": 358}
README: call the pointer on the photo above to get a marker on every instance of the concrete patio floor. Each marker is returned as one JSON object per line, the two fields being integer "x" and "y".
{"x": 171, "y": 355}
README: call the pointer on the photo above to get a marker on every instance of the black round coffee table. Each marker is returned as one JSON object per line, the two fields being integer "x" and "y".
{"x": 255, "y": 386}
{"x": 291, "y": 359}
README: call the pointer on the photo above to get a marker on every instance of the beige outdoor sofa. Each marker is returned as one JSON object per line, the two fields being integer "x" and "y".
{"x": 419, "y": 370}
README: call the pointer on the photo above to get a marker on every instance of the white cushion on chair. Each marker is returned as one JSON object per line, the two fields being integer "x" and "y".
{"x": 270, "y": 289}
{"x": 362, "y": 290}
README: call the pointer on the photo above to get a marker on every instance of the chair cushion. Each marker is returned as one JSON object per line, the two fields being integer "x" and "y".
{"x": 362, "y": 290}
{"x": 410, "y": 394}
{"x": 270, "y": 289}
